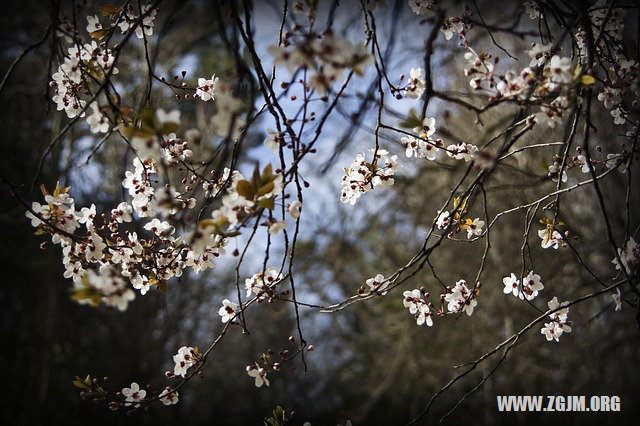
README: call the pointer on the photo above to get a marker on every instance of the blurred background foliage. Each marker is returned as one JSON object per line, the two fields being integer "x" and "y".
{"x": 372, "y": 364}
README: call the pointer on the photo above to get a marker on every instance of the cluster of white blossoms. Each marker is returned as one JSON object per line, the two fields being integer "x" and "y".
{"x": 362, "y": 176}
{"x": 131, "y": 20}
{"x": 175, "y": 150}
{"x": 451, "y": 26}
{"x": 529, "y": 289}
{"x": 186, "y": 358}
{"x": 168, "y": 148}
{"x": 473, "y": 227}
{"x": 424, "y": 146}
{"x": 416, "y": 85}
{"x": 103, "y": 285}
{"x": 621, "y": 80}
{"x": 559, "y": 74}
{"x": 461, "y": 299}
{"x": 555, "y": 86}
{"x": 106, "y": 284}
{"x": 263, "y": 284}
{"x": 70, "y": 84}
{"x": 480, "y": 68}
{"x": 619, "y": 160}
{"x": 559, "y": 324}
{"x": 420, "y": 7}
{"x": 242, "y": 201}
{"x": 458, "y": 222}
{"x": 326, "y": 57}
{"x": 140, "y": 186}
{"x": 104, "y": 259}
{"x": 457, "y": 299}
{"x": 415, "y": 301}
{"x": 629, "y": 255}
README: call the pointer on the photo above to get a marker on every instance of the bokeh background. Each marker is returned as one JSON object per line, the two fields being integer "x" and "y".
{"x": 372, "y": 364}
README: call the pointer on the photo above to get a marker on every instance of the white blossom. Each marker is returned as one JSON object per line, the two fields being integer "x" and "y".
{"x": 277, "y": 226}
{"x": 531, "y": 285}
{"x": 272, "y": 141}
{"x": 259, "y": 374}
{"x": 228, "y": 310}
{"x": 295, "y": 208}
{"x": 532, "y": 9}
{"x": 93, "y": 24}
{"x": 378, "y": 284}
{"x": 629, "y": 255}
{"x": 168, "y": 396}
{"x": 511, "y": 285}
{"x": 550, "y": 237}
{"x": 617, "y": 299}
{"x": 206, "y": 89}
{"x": 133, "y": 394}
{"x": 473, "y": 227}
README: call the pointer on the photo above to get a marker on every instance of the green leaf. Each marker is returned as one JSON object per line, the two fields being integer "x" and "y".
{"x": 131, "y": 131}
{"x": 267, "y": 203}
{"x": 110, "y": 10}
{"x": 267, "y": 172}
{"x": 79, "y": 383}
{"x": 256, "y": 180}
{"x": 265, "y": 189}
{"x": 245, "y": 189}
{"x": 587, "y": 80}
{"x": 169, "y": 127}
{"x": 99, "y": 34}
{"x": 148, "y": 119}
{"x": 411, "y": 121}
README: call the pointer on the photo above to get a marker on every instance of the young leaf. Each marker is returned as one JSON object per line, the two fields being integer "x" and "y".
{"x": 587, "y": 80}
{"x": 267, "y": 172}
{"x": 265, "y": 189}
{"x": 99, "y": 34}
{"x": 267, "y": 203}
{"x": 110, "y": 10}
{"x": 245, "y": 189}
{"x": 411, "y": 121}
